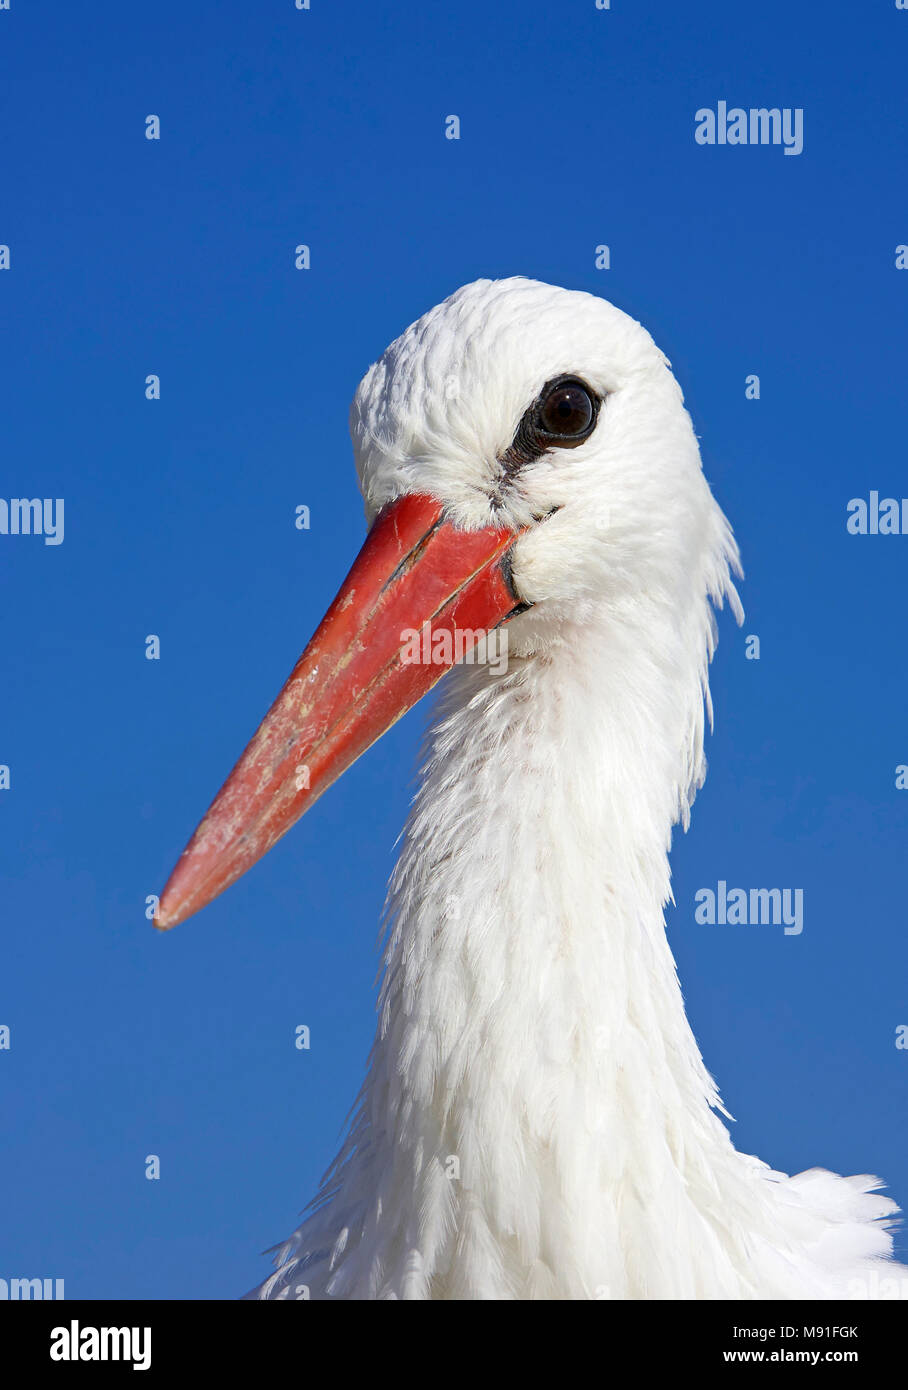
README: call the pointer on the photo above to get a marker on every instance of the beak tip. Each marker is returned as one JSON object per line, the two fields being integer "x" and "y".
{"x": 165, "y": 917}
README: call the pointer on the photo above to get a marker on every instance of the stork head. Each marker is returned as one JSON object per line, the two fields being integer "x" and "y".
{"x": 525, "y": 458}
{"x": 552, "y": 413}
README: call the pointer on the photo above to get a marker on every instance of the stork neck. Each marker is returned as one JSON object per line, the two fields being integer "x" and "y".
{"x": 532, "y": 1031}
{"x": 537, "y": 850}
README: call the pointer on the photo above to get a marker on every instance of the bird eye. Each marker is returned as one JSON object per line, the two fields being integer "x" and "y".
{"x": 563, "y": 415}
{"x": 567, "y": 411}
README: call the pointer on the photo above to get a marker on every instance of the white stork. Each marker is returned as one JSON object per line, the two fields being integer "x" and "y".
{"x": 537, "y": 1121}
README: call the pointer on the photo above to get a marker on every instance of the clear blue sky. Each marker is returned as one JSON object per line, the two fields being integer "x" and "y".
{"x": 131, "y": 257}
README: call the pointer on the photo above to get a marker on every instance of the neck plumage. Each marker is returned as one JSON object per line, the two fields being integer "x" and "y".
{"x": 534, "y": 1074}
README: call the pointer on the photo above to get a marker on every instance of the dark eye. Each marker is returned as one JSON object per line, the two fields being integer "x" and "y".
{"x": 562, "y": 416}
{"x": 567, "y": 410}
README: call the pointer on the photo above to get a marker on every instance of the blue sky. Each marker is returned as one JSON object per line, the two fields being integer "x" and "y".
{"x": 175, "y": 257}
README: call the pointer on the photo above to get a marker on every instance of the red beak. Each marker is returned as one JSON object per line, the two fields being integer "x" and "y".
{"x": 356, "y": 677}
